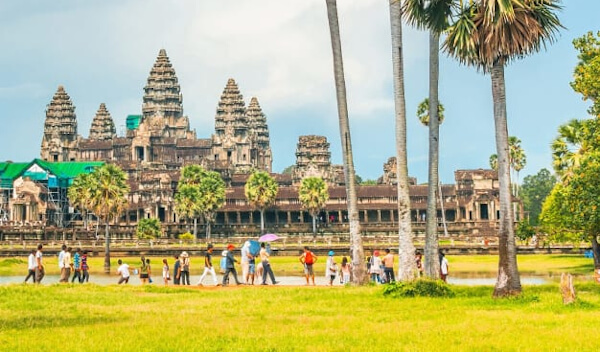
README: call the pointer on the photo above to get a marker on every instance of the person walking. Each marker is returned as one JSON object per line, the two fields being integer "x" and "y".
{"x": 245, "y": 258}
{"x": 443, "y": 267}
{"x": 388, "y": 263}
{"x": 176, "y": 271}
{"x": 123, "y": 271}
{"x": 264, "y": 259}
{"x": 332, "y": 272}
{"x": 144, "y": 274}
{"x": 85, "y": 269}
{"x": 185, "y": 268}
{"x": 61, "y": 263}
{"x": 65, "y": 273}
{"x": 375, "y": 268}
{"x": 328, "y": 264}
{"x": 419, "y": 262}
{"x": 39, "y": 269}
{"x": 307, "y": 259}
{"x": 208, "y": 267}
{"x": 76, "y": 266}
{"x": 230, "y": 266}
{"x": 345, "y": 271}
{"x": 165, "y": 272}
{"x": 31, "y": 265}
{"x": 149, "y": 271}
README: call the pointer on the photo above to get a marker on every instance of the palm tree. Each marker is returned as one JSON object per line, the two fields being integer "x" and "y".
{"x": 517, "y": 160}
{"x": 575, "y": 139}
{"x": 423, "y": 112}
{"x": 187, "y": 201}
{"x": 358, "y": 256}
{"x": 261, "y": 191}
{"x": 407, "y": 268}
{"x": 488, "y": 34}
{"x": 212, "y": 197}
{"x": 432, "y": 15}
{"x": 109, "y": 199}
{"x": 313, "y": 195}
{"x": 80, "y": 195}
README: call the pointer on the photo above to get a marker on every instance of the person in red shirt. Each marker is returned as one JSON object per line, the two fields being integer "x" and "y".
{"x": 308, "y": 258}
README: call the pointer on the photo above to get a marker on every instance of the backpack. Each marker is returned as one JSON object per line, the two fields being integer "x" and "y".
{"x": 309, "y": 258}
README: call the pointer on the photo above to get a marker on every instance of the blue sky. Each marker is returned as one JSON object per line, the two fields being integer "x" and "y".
{"x": 279, "y": 51}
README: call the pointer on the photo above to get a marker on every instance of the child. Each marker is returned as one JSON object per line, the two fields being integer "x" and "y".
{"x": 333, "y": 268}
{"x": 345, "y": 271}
{"x": 166, "y": 276}
{"x": 149, "y": 271}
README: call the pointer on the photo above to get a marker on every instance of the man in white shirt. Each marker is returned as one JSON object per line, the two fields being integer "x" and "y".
{"x": 31, "y": 266}
{"x": 61, "y": 264}
{"x": 39, "y": 269}
{"x": 123, "y": 270}
{"x": 443, "y": 267}
{"x": 67, "y": 264}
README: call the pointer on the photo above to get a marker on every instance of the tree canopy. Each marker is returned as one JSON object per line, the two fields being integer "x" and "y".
{"x": 534, "y": 191}
{"x": 586, "y": 78}
{"x": 261, "y": 191}
{"x": 313, "y": 194}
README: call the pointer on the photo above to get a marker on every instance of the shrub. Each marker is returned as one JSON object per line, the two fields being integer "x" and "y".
{"x": 524, "y": 230}
{"x": 418, "y": 288}
{"x": 149, "y": 229}
{"x": 186, "y": 236}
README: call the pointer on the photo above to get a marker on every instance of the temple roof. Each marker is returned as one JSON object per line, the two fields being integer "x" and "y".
{"x": 103, "y": 127}
{"x": 162, "y": 93}
{"x": 258, "y": 123}
{"x": 60, "y": 115}
{"x": 231, "y": 106}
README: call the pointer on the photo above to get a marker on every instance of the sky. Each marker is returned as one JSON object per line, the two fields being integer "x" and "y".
{"x": 279, "y": 51}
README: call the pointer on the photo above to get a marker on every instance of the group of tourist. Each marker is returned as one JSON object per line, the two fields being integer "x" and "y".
{"x": 69, "y": 261}
{"x": 381, "y": 270}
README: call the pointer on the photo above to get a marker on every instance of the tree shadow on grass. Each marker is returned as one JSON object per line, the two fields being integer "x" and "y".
{"x": 43, "y": 322}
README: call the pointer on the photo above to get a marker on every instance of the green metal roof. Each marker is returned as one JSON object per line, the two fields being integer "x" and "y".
{"x": 133, "y": 121}
{"x": 63, "y": 172}
{"x": 9, "y": 172}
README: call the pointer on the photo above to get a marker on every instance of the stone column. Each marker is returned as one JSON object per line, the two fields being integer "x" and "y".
{"x": 238, "y": 217}
{"x": 379, "y": 216}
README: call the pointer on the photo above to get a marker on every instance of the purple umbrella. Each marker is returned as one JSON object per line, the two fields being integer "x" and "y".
{"x": 268, "y": 237}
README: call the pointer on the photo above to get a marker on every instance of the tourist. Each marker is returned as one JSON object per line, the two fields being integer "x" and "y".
{"x": 68, "y": 264}
{"x": 419, "y": 262}
{"x": 165, "y": 273}
{"x": 328, "y": 263}
{"x": 230, "y": 266}
{"x": 123, "y": 271}
{"x": 345, "y": 271}
{"x": 245, "y": 252}
{"x": 149, "y": 271}
{"x": 176, "y": 271}
{"x": 31, "y": 265}
{"x": 264, "y": 259}
{"x": 76, "y": 266}
{"x": 332, "y": 272}
{"x": 39, "y": 268}
{"x": 443, "y": 267}
{"x": 61, "y": 263}
{"x": 185, "y": 268}
{"x": 375, "y": 268}
{"x": 388, "y": 263}
{"x": 251, "y": 268}
{"x": 85, "y": 269}
{"x": 208, "y": 267}
{"x": 144, "y": 275}
{"x": 307, "y": 259}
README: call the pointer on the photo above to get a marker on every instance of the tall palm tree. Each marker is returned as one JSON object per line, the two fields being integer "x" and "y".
{"x": 517, "y": 161}
{"x": 261, "y": 191}
{"x": 109, "y": 199}
{"x": 212, "y": 197}
{"x": 313, "y": 195}
{"x": 576, "y": 139}
{"x": 488, "y": 34}
{"x": 80, "y": 195}
{"x": 432, "y": 15}
{"x": 407, "y": 268}
{"x": 358, "y": 256}
{"x": 187, "y": 201}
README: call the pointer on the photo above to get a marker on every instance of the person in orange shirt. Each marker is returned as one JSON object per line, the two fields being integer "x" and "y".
{"x": 388, "y": 270}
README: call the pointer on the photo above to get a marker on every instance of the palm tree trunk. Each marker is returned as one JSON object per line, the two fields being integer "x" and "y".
{"x": 262, "y": 221}
{"x": 359, "y": 276}
{"x": 432, "y": 263}
{"x": 195, "y": 229}
{"x": 208, "y": 223}
{"x": 107, "y": 249}
{"x": 314, "y": 224}
{"x": 508, "y": 281}
{"x": 407, "y": 267}
{"x": 596, "y": 251}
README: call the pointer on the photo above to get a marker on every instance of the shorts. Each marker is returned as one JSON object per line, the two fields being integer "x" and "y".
{"x": 251, "y": 268}
{"x": 123, "y": 280}
{"x": 308, "y": 269}
{"x": 143, "y": 276}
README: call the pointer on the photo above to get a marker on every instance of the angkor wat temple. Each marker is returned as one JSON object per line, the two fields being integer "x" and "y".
{"x": 159, "y": 142}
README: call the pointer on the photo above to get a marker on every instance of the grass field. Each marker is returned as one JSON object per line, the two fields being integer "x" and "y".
{"x": 469, "y": 265}
{"x": 134, "y": 318}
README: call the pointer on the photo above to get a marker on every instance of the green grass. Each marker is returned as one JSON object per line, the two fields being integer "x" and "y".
{"x": 119, "y": 318}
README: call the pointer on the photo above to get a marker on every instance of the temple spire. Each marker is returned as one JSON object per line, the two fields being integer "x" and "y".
{"x": 103, "y": 127}
{"x": 59, "y": 142}
{"x": 258, "y": 123}
{"x": 162, "y": 93}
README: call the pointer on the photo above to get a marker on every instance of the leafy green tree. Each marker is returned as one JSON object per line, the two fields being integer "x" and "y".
{"x": 407, "y": 268}
{"x": 313, "y": 195}
{"x": 261, "y": 191}
{"x": 188, "y": 197}
{"x": 288, "y": 170}
{"x": 534, "y": 191}
{"x": 574, "y": 206}
{"x": 586, "y": 78}
{"x": 109, "y": 199}
{"x": 80, "y": 195}
{"x": 488, "y": 34}
{"x": 149, "y": 229}
{"x": 368, "y": 182}
{"x": 212, "y": 197}
{"x": 576, "y": 139}
{"x": 358, "y": 256}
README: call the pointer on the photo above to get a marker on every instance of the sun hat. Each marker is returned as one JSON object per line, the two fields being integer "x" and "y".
{"x": 376, "y": 253}
{"x": 184, "y": 254}
{"x": 331, "y": 253}
{"x": 230, "y": 246}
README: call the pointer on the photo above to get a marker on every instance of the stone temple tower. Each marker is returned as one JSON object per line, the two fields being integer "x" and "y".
{"x": 59, "y": 142}
{"x": 259, "y": 135}
{"x": 313, "y": 159}
{"x": 103, "y": 127}
{"x": 231, "y": 141}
